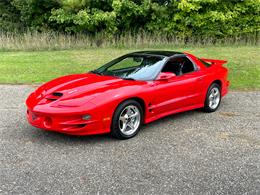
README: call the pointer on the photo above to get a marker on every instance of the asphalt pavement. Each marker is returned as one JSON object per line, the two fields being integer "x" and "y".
{"x": 187, "y": 153}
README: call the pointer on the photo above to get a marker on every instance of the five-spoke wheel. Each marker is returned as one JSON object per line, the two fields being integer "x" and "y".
{"x": 127, "y": 119}
{"x": 213, "y": 98}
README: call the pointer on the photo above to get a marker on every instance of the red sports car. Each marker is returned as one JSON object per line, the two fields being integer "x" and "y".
{"x": 132, "y": 90}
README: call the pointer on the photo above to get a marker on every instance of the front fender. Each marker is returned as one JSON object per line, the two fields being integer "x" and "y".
{"x": 109, "y": 101}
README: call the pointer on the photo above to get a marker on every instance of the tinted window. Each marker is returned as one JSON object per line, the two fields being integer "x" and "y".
{"x": 187, "y": 66}
{"x": 172, "y": 66}
{"x": 178, "y": 66}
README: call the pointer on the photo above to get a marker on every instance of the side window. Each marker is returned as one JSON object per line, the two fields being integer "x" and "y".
{"x": 187, "y": 66}
{"x": 173, "y": 66}
{"x": 179, "y": 66}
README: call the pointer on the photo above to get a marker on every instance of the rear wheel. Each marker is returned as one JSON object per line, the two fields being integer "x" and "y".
{"x": 127, "y": 120}
{"x": 213, "y": 98}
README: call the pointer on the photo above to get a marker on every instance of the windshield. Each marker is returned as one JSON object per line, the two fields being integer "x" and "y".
{"x": 136, "y": 67}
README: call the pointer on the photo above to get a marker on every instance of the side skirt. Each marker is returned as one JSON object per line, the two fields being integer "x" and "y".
{"x": 160, "y": 115}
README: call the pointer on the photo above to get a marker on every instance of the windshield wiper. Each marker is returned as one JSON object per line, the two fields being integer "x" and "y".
{"x": 131, "y": 79}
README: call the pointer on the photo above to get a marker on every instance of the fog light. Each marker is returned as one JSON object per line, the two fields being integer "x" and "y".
{"x": 86, "y": 117}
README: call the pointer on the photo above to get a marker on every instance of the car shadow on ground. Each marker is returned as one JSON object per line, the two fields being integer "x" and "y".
{"x": 40, "y": 135}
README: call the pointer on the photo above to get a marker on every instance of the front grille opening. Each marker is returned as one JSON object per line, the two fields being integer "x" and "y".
{"x": 81, "y": 125}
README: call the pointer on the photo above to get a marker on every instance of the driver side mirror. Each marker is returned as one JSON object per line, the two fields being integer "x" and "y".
{"x": 165, "y": 76}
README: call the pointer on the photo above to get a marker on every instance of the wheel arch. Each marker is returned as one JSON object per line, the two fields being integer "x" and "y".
{"x": 137, "y": 99}
{"x": 218, "y": 81}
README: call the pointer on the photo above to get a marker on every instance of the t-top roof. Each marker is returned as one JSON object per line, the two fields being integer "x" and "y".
{"x": 161, "y": 53}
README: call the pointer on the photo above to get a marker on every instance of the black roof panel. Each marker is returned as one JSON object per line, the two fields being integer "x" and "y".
{"x": 161, "y": 53}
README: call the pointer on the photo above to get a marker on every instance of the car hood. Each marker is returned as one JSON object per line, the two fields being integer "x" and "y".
{"x": 75, "y": 90}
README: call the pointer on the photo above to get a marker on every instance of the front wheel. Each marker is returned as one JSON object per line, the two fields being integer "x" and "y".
{"x": 127, "y": 120}
{"x": 213, "y": 98}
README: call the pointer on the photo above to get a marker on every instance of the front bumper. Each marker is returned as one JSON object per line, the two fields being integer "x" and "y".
{"x": 72, "y": 124}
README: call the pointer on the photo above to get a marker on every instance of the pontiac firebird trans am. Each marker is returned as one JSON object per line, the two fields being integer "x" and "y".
{"x": 132, "y": 90}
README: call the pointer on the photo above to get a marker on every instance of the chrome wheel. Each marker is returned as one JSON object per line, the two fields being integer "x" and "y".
{"x": 214, "y": 98}
{"x": 129, "y": 120}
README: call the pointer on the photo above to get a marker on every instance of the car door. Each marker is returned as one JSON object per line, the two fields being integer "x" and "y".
{"x": 178, "y": 92}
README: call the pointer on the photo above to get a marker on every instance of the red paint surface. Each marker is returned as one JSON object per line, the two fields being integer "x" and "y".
{"x": 99, "y": 96}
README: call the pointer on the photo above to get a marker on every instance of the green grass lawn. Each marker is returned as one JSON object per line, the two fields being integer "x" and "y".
{"x": 41, "y": 66}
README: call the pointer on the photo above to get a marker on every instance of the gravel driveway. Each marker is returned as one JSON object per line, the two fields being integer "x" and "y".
{"x": 192, "y": 152}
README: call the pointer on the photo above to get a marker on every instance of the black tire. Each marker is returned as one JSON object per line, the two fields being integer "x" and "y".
{"x": 115, "y": 129}
{"x": 207, "y": 107}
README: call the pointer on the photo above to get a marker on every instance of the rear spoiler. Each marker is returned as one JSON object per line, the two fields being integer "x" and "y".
{"x": 213, "y": 61}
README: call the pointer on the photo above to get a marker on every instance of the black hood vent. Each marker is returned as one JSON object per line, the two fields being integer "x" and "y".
{"x": 57, "y": 94}
{"x": 54, "y": 96}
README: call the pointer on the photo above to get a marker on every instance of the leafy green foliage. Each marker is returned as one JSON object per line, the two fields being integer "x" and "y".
{"x": 181, "y": 18}
{"x": 9, "y": 17}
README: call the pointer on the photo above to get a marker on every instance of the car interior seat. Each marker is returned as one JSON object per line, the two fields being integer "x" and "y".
{"x": 174, "y": 67}
{"x": 187, "y": 67}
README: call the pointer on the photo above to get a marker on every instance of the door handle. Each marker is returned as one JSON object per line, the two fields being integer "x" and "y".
{"x": 200, "y": 79}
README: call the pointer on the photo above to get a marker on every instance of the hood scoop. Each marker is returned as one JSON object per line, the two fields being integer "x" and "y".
{"x": 54, "y": 96}
{"x": 57, "y": 94}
